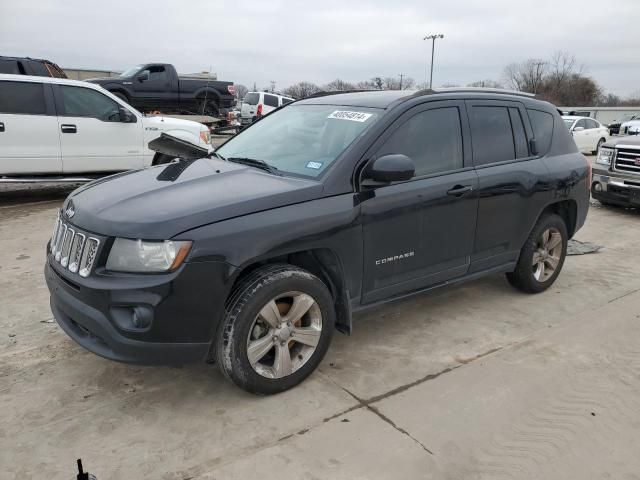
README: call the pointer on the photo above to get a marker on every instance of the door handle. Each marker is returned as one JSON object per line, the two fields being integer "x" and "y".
{"x": 459, "y": 190}
{"x": 1, "y": 126}
{"x": 67, "y": 128}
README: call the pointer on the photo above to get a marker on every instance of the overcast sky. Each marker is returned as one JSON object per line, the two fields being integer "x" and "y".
{"x": 288, "y": 41}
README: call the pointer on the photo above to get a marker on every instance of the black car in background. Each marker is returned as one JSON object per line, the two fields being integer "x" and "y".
{"x": 614, "y": 127}
{"x": 326, "y": 206}
{"x": 30, "y": 66}
{"x": 157, "y": 86}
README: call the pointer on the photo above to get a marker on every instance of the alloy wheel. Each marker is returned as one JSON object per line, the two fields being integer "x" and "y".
{"x": 284, "y": 335}
{"x": 546, "y": 257}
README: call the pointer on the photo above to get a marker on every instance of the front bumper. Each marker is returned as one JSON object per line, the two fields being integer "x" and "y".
{"x": 616, "y": 188}
{"x": 183, "y": 315}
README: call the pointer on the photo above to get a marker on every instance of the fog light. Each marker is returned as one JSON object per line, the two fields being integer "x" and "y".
{"x": 597, "y": 187}
{"x": 132, "y": 318}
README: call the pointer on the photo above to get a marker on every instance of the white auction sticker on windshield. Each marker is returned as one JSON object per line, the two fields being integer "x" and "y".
{"x": 353, "y": 116}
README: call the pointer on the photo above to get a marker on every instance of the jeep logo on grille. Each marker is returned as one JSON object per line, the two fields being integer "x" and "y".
{"x": 70, "y": 211}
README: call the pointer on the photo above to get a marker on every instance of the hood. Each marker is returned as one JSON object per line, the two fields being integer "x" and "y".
{"x": 168, "y": 123}
{"x": 632, "y": 141}
{"x": 102, "y": 80}
{"x": 160, "y": 202}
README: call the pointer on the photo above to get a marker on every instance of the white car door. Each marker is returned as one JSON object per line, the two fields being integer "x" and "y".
{"x": 29, "y": 141}
{"x": 94, "y": 133}
{"x": 581, "y": 135}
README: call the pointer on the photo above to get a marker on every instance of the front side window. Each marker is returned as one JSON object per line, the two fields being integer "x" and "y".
{"x": 582, "y": 123}
{"x": 491, "y": 135}
{"x": 270, "y": 100}
{"x": 301, "y": 139}
{"x": 26, "y": 98}
{"x": 432, "y": 139}
{"x": 157, "y": 74}
{"x": 85, "y": 102}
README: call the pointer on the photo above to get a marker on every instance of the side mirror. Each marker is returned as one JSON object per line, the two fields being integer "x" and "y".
{"x": 387, "y": 169}
{"x": 533, "y": 146}
{"x": 578, "y": 129}
{"x": 143, "y": 76}
{"x": 126, "y": 116}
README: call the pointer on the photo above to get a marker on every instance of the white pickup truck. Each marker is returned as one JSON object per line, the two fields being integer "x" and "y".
{"x": 59, "y": 129}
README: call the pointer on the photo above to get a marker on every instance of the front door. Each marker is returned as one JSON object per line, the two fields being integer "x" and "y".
{"x": 92, "y": 137}
{"x": 421, "y": 232}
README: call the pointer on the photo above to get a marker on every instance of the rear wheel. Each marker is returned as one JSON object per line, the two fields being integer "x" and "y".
{"x": 208, "y": 107}
{"x": 600, "y": 142}
{"x": 277, "y": 328}
{"x": 121, "y": 96}
{"x": 542, "y": 256}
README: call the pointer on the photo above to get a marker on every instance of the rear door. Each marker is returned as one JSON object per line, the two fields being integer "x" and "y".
{"x": 29, "y": 141}
{"x": 419, "y": 233}
{"x": 92, "y": 136}
{"x": 249, "y": 106}
{"x": 513, "y": 184}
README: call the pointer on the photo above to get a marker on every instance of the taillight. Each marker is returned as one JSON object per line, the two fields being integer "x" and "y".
{"x": 259, "y": 110}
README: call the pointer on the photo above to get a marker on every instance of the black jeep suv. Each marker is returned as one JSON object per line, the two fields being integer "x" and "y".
{"x": 324, "y": 207}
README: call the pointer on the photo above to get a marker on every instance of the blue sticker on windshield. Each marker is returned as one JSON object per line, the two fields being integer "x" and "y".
{"x": 314, "y": 165}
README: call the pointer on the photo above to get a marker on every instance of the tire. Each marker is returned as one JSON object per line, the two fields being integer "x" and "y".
{"x": 528, "y": 275}
{"x": 253, "y": 311}
{"x": 121, "y": 96}
{"x": 162, "y": 159}
{"x": 600, "y": 142}
{"x": 208, "y": 107}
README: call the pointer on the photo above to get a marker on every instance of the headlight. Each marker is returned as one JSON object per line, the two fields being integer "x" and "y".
{"x": 604, "y": 156}
{"x": 147, "y": 256}
{"x": 205, "y": 136}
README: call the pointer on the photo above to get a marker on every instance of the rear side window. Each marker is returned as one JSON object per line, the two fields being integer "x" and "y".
{"x": 542, "y": 124}
{"x": 591, "y": 123}
{"x": 85, "y": 102}
{"x": 270, "y": 100}
{"x": 432, "y": 139}
{"x": 24, "y": 98}
{"x": 286, "y": 100}
{"x": 252, "y": 98}
{"x": 491, "y": 135}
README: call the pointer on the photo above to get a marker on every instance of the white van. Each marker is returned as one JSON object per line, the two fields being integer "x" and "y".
{"x": 60, "y": 127}
{"x": 256, "y": 104}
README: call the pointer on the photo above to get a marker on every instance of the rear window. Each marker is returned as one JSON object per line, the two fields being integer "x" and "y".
{"x": 270, "y": 100}
{"x": 542, "y": 124}
{"x": 24, "y": 98}
{"x": 252, "y": 98}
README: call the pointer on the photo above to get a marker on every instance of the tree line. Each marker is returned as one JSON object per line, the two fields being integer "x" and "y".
{"x": 559, "y": 79}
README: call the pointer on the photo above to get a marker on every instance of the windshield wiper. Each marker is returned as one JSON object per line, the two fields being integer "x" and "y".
{"x": 252, "y": 162}
{"x": 215, "y": 154}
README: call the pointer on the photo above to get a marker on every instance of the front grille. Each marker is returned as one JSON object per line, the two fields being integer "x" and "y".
{"x": 73, "y": 249}
{"x": 627, "y": 160}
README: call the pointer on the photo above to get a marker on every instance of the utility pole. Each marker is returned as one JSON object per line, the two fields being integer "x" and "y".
{"x": 401, "y": 75}
{"x": 433, "y": 47}
{"x": 273, "y": 86}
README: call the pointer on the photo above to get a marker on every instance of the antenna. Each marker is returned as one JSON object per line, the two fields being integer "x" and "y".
{"x": 204, "y": 103}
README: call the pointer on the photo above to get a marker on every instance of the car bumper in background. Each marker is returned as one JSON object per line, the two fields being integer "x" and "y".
{"x": 616, "y": 188}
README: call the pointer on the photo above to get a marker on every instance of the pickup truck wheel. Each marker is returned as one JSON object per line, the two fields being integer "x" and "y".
{"x": 208, "y": 107}
{"x": 121, "y": 96}
{"x": 542, "y": 256}
{"x": 277, "y": 328}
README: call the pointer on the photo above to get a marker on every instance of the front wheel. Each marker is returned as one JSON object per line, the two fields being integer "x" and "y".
{"x": 542, "y": 256}
{"x": 277, "y": 328}
{"x": 600, "y": 142}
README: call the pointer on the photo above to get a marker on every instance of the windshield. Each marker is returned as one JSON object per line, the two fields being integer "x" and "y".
{"x": 129, "y": 72}
{"x": 568, "y": 122}
{"x": 301, "y": 139}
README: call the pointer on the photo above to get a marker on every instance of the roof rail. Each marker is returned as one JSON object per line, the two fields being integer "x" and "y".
{"x": 503, "y": 91}
{"x": 337, "y": 92}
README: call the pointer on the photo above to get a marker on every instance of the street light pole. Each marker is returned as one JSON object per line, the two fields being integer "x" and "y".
{"x": 401, "y": 75}
{"x": 433, "y": 47}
